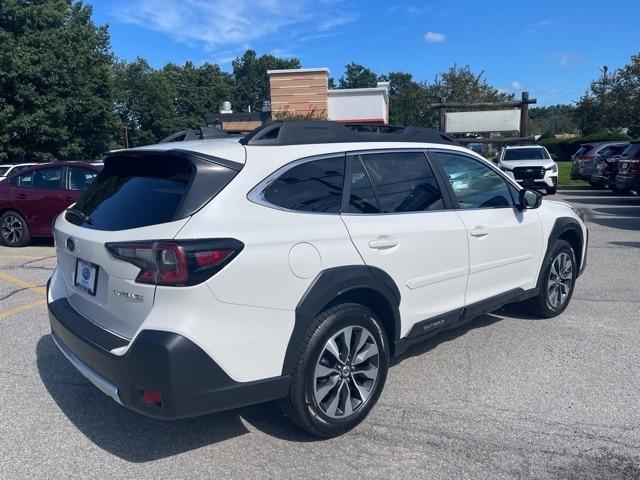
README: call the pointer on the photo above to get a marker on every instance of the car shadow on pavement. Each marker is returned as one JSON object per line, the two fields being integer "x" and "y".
{"x": 136, "y": 438}
{"x": 513, "y": 310}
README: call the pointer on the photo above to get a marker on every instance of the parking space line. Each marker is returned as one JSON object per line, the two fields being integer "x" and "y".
{"x": 22, "y": 257}
{"x": 19, "y": 282}
{"x": 22, "y": 308}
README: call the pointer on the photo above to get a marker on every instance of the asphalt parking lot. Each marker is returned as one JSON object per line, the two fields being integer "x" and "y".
{"x": 508, "y": 396}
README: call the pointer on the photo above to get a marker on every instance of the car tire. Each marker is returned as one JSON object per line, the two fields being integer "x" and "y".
{"x": 557, "y": 281}
{"x": 14, "y": 231}
{"x": 551, "y": 190}
{"x": 335, "y": 382}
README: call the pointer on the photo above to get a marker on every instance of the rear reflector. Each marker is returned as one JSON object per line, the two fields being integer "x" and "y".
{"x": 149, "y": 396}
{"x": 176, "y": 262}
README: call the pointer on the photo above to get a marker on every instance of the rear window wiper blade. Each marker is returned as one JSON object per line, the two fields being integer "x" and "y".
{"x": 81, "y": 215}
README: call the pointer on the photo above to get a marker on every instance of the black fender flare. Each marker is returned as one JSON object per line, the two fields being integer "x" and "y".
{"x": 328, "y": 285}
{"x": 561, "y": 226}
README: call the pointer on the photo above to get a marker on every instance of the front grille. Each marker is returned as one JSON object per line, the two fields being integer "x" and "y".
{"x": 623, "y": 167}
{"x": 528, "y": 173}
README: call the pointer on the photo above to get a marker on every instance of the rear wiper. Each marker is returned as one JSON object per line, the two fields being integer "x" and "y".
{"x": 81, "y": 215}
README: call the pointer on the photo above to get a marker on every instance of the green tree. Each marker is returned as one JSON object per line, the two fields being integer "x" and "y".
{"x": 612, "y": 101}
{"x": 251, "y": 80}
{"x": 460, "y": 84}
{"x": 55, "y": 82}
{"x": 144, "y": 102}
{"x": 552, "y": 120}
{"x": 357, "y": 76}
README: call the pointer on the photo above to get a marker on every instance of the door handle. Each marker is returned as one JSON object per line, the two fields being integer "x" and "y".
{"x": 383, "y": 243}
{"x": 21, "y": 196}
{"x": 479, "y": 232}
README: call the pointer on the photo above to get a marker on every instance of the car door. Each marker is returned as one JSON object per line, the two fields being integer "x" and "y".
{"x": 505, "y": 243}
{"x": 36, "y": 195}
{"x": 399, "y": 222}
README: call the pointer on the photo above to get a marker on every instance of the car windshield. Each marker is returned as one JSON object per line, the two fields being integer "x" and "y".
{"x": 3, "y": 171}
{"x": 525, "y": 154}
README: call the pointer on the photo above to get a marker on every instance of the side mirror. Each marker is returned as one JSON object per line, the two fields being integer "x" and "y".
{"x": 529, "y": 199}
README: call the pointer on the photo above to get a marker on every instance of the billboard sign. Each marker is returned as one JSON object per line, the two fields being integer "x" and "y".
{"x": 487, "y": 121}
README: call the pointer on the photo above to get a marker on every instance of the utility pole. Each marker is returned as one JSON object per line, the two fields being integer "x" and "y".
{"x": 125, "y": 127}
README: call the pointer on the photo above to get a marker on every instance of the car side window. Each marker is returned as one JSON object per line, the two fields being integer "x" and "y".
{"x": 313, "y": 186}
{"x": 47, "y": 178}
{"x": 403, "y": 182}
{"x": 362, "y": 198}
{"x": 79, "y": 178}
{"x": 24, "y": 180}
{"x": 474, "y": 184}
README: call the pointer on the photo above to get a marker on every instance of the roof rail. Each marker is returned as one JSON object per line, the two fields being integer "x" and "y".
{"x": 202, "y": 133}
{"x": 298, "y": 132}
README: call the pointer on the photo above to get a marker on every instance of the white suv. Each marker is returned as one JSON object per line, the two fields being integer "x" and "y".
{"x": 531, "y": 166}
{"x": 292, "y": 265}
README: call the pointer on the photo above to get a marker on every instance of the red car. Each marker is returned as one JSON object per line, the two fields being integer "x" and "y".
{"x": 31, "y": 199}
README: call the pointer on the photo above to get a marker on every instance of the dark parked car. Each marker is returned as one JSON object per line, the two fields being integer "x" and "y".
{"x": 583, "y": 162}
{"x": 31, "y": 199}
{"x": 628, "y": 177}
{"x": 606, "y": 167}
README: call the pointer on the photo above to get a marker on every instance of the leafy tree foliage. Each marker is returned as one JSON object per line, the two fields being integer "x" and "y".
{"x": 612, "y": 101}
{"x": 55, "y": 82}
{"x": 357, "y": 76}
{"x": 251, "y": 80}
{"x": 152, "y": 104}
{"x": 552, "y": 120}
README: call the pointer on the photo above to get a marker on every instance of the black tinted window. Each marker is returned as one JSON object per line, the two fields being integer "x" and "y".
{"x": 362, "y": 198}
{"x": 79, "y": 178}
{"x": 134, "y": 192}
{"x": 314, "y": 186}
{"x": 403, "y": 181}
{"x": 475, "y": 184}
{"x": 632, "y": 150}
{"x": 44, "y": 178}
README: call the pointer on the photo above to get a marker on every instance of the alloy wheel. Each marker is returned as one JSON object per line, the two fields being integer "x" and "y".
{"x": 11, "y": 229}
{"x": 346, "y": 372}
{"x": 560, "y": 280}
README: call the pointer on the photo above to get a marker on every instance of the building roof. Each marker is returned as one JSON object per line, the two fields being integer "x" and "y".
{"x": 298, "y": 70}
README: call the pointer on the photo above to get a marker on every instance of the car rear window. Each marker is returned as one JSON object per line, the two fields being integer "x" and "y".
{"x": 583, "y": 150}
{"x": 525, "y": 154}
{"x": 632, "y": 150}
{"x": 134, "y": 192}
{"x": 3, "y": 171}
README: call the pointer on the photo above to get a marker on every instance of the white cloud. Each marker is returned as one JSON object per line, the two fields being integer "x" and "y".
{"x": 516, "y": 85}
{"x": 434, "y": 37}
{"x": 547, "y": 22}
{"x": 565, "y": 59}
{"x": 228, "y": 24}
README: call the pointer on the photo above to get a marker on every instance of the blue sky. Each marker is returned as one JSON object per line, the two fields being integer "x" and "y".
{"x": 552, "y": 48}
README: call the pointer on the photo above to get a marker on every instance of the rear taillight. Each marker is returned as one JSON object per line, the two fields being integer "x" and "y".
{"x": 176, "y": 262}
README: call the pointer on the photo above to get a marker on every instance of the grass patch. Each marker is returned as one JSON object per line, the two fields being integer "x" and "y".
{"x": 564, "y": 177}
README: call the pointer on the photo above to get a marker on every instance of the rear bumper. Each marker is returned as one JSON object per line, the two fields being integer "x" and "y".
{"x": 599, "y": 180}
{"x": 627, "y": 182}
{"x": 190, "y": 382}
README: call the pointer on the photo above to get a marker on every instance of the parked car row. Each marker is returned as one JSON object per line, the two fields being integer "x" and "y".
{"x": 614, "y": 165}
{"x": 32, "y": 197}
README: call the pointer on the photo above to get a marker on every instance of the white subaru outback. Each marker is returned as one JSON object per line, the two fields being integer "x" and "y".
{"x": 292, "y": 264}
